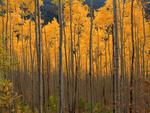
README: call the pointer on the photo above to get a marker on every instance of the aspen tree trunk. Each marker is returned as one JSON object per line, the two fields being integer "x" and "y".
{"x": 110, "y": 59}
{"x": 138, "y": 55}
{"x": 143, "y": 47}
{"x": 71, "y": 56}
{"x": 7, "y": 19}
{"x": 145, "y": 75}
{"x": 61, "y": 78}
{"x": 10, "y": 52}
{"x": 79, "y": 64}
{"x": 132, "y": 58}
{"x": 47, "y": 77}
{"x": 36, "y": 29}
{"x": 99, "y": 56}
{"x": 36, "y": 45}
{"x": 48, "y": 67}
{"x": 23, "y": 66}
{"x": 125, "y": 82}
{"x": 75, "y": 84}
{"x": 90, "y": 55}
{"x": 32, "y": 65}
{"x": 106, "y": 70}
{"x": 115, "y": 58}
{"x": 97, "y": 66}
{"x": 3, "y": 34}
{"x": 40, "y": 59}
{"x": 44, "y": 88}
{"x": 101, "y": 74}
{"x": 67, "y": 72}
{"x": 10, "y": 45}
{"x": 56, "y": 63}
{"x": 105, "y": 75}
{"x": 148, "y": 74}
{"x": 86, "y": 81}
{"x": 110, "y": 64}
{"x": 136, "y": 67}
{"x": 39, "y": 54}
{"x": 121, "y": 18}
{"x": 113, "y": 76}
{"x": 77, "y": 60}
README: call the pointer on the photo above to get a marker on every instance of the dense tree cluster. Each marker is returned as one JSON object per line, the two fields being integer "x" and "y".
{"x": 86, "y": 61}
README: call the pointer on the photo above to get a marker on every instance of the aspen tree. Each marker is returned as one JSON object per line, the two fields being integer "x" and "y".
{"x": 39, "y": 53}
{"x": 61, "y": 78}
{"x": 91, "y": 54}
{"x": 115, "y": 57}
{"x": 132, "y": 58}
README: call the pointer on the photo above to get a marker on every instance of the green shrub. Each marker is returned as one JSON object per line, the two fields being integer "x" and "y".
{"x": 20, "y": 107}
{"x": 81, "y": 105}
{"x": 52, "y": 104}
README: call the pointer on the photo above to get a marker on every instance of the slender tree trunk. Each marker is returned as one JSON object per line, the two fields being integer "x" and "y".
{"x": 23, "y": 65}
{"x": 116, "y": 58}
{"x": 61, "y": 78}
{"x": 86, "y": 81}
{"x": 3, "y": 30}
{"x": 7, "y": 19}
{"x": 39, "y": 54}
{"x": 10, "y": 45}
{"x": 32, "y": 65}
{"x": 121, "y": 18}
{"x": 77, "y": 60}
{"x": 113, "y": 76}
{"x": 132, "y": 58}
{"x": 144, "y": 42}
{"x": 90, "y": 55}
{"x": 106, "y": 70}
{"x": 75, "y": 85}
{"x": 72, "y": 53}
{"x": 110, "y": 59}
{"x": 47, "y": 73}
{"x": 67, "y": 72}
